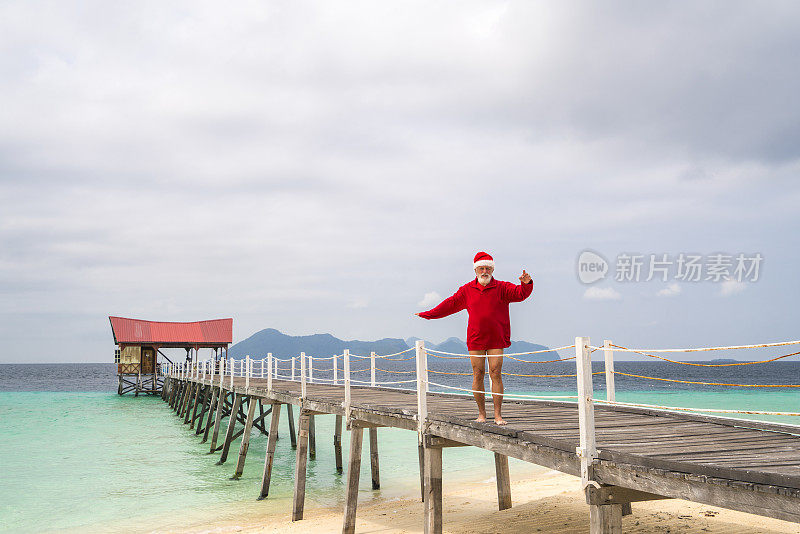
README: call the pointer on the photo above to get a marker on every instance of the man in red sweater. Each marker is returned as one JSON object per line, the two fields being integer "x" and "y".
{"x": 489, "y": 328}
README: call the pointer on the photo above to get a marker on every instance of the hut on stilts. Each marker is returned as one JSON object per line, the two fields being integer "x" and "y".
{"x": 138, "y": 354}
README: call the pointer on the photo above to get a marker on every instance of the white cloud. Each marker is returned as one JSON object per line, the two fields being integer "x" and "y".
{"x": 358, "y": 303}
{"x": 731, "y": 287}
{"x": 430, "y": 300}
{"x": 602, "y": 293}
{"x": 670, "y": 291}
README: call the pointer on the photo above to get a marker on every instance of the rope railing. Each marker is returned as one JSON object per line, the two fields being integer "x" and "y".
{"x": 708, "y": 383}
{"x": 504, "y": 395}
{"x": 456, "y": 355}
{"x": 703, "y": 349}
{"x": 706, "y": 364}
{"x": 683, "y": 409}
{"x": 418, "y": 383}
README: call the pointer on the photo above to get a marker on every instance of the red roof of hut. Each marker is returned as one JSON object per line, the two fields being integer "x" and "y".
{"x": 213, "y": 333}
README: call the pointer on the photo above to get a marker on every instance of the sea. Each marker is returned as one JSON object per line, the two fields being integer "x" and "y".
{"x": 77, "y": 457}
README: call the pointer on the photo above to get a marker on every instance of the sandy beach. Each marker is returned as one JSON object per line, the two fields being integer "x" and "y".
{"x": 548, "y": 503}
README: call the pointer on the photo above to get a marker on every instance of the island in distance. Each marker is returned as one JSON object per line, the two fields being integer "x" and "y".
{"x": 321, "y": 345}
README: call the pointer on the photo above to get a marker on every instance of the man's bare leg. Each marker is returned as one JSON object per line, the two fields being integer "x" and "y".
{"x": 496, "y": 375}
{"x": 478, "y": 361}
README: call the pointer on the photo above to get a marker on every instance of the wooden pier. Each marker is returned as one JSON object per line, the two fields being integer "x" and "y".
{"x": 622, "y": 454}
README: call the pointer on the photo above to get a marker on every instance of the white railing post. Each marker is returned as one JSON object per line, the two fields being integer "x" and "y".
{"x": 221, "y": 371}
{"x": 611, "y": 392}
{"x": 270, "y": 363}
{"x": 372, "y": 368}
{"x": 247, "y": 361}
{"x": 587, "y": 451}
{"x": 347, "y": 384}
{"x": 293, "y": 359}
{"x": 335, "y": 369}
{"x": 232, "y": 363}
{"x": 310, "y": 369}
{"x": 302, "y": 375}
{"x": 205, "y": 364}
{"x": 422, "y": 387}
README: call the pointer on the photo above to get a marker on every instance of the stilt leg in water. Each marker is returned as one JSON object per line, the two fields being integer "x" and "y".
{"x": 373, "y": 458}
{"x": 353, "y": 472}
{"x": 337, "y": 443}
{"x": 248, "y": 426}
{"x": 292, "y": 434}
{"x": 218, "y": 418}
{"x": 271, "y": 439}
{"x": 211, "y": 412}
{"x": 298, "y": 500}
{"x": 237, "y": 404}
{"x": 312, "y": 439}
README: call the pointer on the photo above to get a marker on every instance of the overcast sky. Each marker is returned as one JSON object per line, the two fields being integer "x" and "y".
{"x": 323, "y": 166}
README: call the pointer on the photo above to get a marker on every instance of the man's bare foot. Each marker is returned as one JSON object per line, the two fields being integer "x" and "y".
{"x": 481, "y": 419}
{"x": 499, "y": 421}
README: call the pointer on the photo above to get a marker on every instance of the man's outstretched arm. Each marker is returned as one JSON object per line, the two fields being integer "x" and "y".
{"x": 518, "y": 293}
{"x": 448, "y": 306}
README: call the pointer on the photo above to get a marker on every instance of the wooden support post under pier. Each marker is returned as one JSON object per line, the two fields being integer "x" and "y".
{"x": 373, "y": 458}
{"x": 605, "y": 519}
{"x": 211, "y": 412}
{"x": 178, "y": 395}
{"x": 237, "y": 405}
{"x": 185, "y": 408}
{"x": 299, "y": 496}
{"x": 292, "y": 434}
{"x": 198, "y": 398}
{"x": 218, "y": 418}
{"x": 187, "y": 388}
{"x": 248, "y": 426}
{"x": 421, "y": 454}
{"x": 266, "y": 477}
{"x": 337, "y": 443}
{"x": 312, "y": 438}
{"x": 192, "y": 408}
{"x": 175, "y": 394}
{"x": 353, "y": 474}
{"x": 433, "y": 488}
{"x": 503, "y": 481}
{"x": 203, "y": 409}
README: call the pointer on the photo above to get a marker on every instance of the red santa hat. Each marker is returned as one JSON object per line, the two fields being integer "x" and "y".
{"x": 482, "y": 259}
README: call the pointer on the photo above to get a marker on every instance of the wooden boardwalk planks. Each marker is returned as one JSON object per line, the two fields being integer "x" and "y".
{"x": 748, "y": 466}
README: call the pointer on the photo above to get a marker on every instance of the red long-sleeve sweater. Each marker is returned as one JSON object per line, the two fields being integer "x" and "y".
{"x": 489, "y": 326}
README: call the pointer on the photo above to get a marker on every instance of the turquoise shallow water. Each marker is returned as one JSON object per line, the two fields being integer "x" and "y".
{"x": 99, "y": 462}
{"x": 94, "y": 461}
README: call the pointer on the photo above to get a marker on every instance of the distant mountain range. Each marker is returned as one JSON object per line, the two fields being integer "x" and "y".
{"x": 320, "y": 345}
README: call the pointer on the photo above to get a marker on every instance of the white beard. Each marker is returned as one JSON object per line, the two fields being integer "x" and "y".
{"x": 484, "y": 279}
